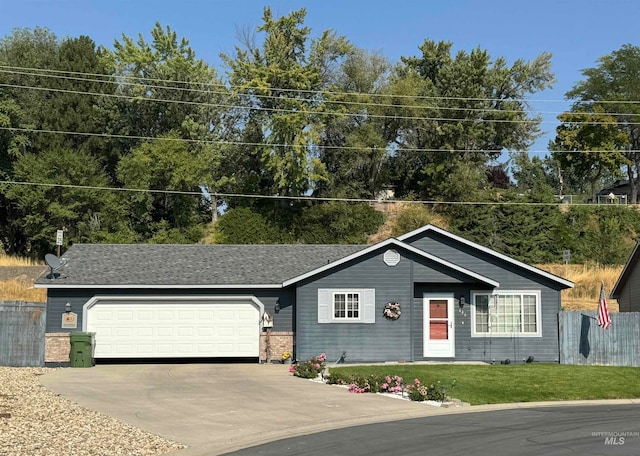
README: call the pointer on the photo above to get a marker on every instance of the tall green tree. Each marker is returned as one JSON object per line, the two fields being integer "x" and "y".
{"x": 167, "y": 164}
{"x": 13, "y": 144}
{"x": 170, "y": 87}
{"x": 613, "y": 87}
{"x": 590, "y": 145}
{"x": 278, "y": 92}
{"x": 352, "y": 144}
{"x": 467, "y": 109}
{"x": 178, "y": 97}
{"x": 531, "y": 174}
{"x": 51, "y": 85}
{"x": 88, "y": 215}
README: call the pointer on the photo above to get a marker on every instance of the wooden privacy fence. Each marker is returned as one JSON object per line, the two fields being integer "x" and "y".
{"x": 582, "y": 341}
{"x": 22, "y": 327}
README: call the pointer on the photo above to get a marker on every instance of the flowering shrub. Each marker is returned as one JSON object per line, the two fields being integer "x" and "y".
{"x": 393, "y": 384}
{"x": 354, "y": 388}
{"x": 309, "y": 368}
{"x": 367, "y": 383}
{"x": 433, "y": 392}
{"x": 286, "y": 355}
{"x": 392, "y": 311}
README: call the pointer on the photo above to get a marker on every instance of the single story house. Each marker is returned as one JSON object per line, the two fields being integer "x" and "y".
{"x": 627, "y": 287}
{"x": 426, "y": 295}
{"x": 618, "y": 192}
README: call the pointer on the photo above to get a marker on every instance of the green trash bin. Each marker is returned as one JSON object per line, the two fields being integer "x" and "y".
{"x": 81, "y": 354}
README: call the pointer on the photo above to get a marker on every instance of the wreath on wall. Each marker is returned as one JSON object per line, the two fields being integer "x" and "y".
{"x": 392, "y": 311}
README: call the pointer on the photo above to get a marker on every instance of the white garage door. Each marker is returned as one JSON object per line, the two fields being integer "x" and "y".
{"x": 173, "y": 329}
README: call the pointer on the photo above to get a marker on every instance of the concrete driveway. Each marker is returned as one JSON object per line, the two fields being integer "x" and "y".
{"x": 216, "y": 408}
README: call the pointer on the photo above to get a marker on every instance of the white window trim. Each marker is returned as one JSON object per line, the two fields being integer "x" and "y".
{"x": 346, "y": 308}
{"x": 538, "y": 296}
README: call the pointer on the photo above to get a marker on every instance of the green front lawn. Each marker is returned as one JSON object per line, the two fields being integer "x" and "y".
{"x": 494, "y": 384}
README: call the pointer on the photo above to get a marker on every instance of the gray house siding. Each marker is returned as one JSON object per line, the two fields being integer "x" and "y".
{"x": 511, "y": 277}
{"x": 629, "y": 292}
{"x": 384, "y": 340}
{"x": 58, "y": 298}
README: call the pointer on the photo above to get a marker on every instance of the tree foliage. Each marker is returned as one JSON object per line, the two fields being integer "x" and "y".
{"x": 613, "y": 88}
{"x": 297, "y": 114}
{"x": 467, "y": 109}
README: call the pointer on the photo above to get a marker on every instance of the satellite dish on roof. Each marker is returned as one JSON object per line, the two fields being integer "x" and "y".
{"x": 54, "y": 263}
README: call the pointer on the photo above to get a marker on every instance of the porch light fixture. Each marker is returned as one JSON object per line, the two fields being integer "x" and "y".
{"x": 67, "y": 307}
{"x": 462, "y": 302}
{"x": 276, "y": 309}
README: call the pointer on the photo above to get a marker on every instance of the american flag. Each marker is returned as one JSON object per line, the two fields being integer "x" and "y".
{"x": 604, "y": 320}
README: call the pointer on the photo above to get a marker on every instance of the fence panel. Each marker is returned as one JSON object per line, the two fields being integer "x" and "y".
{"x": 582, "y": 341}
{"x": 22, "y": 327}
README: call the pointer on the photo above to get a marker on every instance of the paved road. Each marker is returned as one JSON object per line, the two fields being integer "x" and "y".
{"x": 558, "y": 430}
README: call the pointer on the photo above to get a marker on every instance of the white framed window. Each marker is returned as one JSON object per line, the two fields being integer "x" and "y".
{"x": 346, "y": 306}
{"x": 506, "y": 313}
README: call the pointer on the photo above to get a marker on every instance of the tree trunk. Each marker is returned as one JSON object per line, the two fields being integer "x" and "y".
{"x": 632, "y": 181}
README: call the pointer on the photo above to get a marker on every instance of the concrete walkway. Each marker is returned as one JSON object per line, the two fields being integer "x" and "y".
{"x": 217, "y": 408}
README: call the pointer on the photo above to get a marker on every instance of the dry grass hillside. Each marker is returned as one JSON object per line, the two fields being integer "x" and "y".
{"x": 400, "y": 218}
{"x": 16, "y": 279}
{"x": 587, "y": 279}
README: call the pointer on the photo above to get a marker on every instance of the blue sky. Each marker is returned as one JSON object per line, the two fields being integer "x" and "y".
{"x": 576, "y": 32}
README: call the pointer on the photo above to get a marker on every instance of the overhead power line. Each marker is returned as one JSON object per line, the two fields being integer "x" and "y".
{"x": 276, "y": 97}
{"x": 310, "y": 91}
{"x": 258, "y": 144}
{"x": 283, "y": 197}
{"x": 299, "y": 111}
{"x": 262, "y": 108}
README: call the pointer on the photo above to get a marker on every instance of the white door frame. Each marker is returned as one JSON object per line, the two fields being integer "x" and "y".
{"x": 445, "y": 348}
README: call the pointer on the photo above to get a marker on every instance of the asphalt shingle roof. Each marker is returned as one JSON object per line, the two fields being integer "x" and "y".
{"x": 152, "y": 264}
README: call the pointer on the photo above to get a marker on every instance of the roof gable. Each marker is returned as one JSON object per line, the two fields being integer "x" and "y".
{"x": 629, "y": 266}
{"x": 426, "y": 229}
{"x": 397, "y": 243}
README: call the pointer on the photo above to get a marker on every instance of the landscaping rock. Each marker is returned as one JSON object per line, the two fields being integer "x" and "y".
{"x": 36, "y": 422}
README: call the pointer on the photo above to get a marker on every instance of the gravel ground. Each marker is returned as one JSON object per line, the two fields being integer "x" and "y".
{"x": 37, "y": 422}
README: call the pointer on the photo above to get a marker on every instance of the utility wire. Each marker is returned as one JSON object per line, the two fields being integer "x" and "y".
{"x": 311, "y": 91}
{"x": 300, "y": 111}
{"x": 278, "y": 110}
{"x": 327, "y": 101}
{"x": 283, "y": 197}
{"x": 390, "y": 149}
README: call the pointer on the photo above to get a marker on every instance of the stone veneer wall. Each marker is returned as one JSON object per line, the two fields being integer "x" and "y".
{"x": 56, "y": 348}
{"x": 277, "y": 342}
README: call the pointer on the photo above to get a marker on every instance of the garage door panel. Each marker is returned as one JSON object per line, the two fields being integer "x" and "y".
{"x": 145, "y": 315}
{"x": 179, "y": 328}
{"x": 123, "y": 332}
{"x": 185, "y": 332}
{"x": 205, "y": 332}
